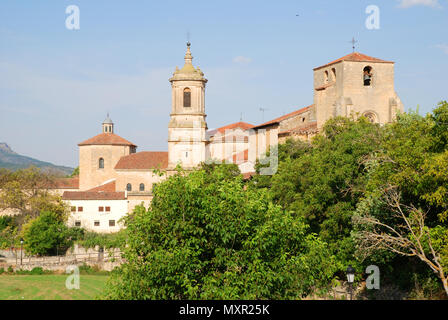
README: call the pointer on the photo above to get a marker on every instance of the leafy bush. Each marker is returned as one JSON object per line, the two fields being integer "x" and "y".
{"x": 86, "y": 269}
{"x": 34, "y": 271}
{"x": 45, "y": 235}
{"x": 206, "y": 237}
{"x": 111, "y": 240}
{"x": 10, "y": 269}
{"x": 2, "y": 270}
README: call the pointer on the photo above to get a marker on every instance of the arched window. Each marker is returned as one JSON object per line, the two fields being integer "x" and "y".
{"x": 142, "y": 187}
{"x": 326, "y": 76}
{"x": 367, "y": 76}
{"x": 333, "y": 74}
{"x": 187, "y": 98}
{"x": 371, "y": 116}
{"x": 129, "y": 187}
{"x": 101, "y": 163}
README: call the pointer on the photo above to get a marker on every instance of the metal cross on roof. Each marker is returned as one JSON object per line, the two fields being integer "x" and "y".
{"x": 353, "y": 42}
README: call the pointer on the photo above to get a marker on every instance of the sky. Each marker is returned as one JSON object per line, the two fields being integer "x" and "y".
{"x": 58, "y": 84}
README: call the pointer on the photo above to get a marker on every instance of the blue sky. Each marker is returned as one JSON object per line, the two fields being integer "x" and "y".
{"x": 57, "y": 85}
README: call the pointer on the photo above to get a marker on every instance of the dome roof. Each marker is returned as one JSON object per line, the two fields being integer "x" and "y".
{"x": 108, "y": 120}
{"x": 188, "y": 71}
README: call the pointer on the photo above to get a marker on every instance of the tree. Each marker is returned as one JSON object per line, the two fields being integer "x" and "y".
{"x": 75, "y": 173}
{"x": 404, "y": 208}
{"x": 205, "y": 236}
{"x": 403, "y": 231}
{"x": 45, "y": 234}
{"x": 26, "y": 191}
{"x": 323, "y": 181}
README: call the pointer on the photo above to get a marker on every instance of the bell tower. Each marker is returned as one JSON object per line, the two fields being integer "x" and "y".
{"x": 187, "y": 126}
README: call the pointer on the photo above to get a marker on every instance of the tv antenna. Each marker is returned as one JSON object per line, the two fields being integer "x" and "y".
{"x": 353, "y": 42}
{"x": 263, "y": 110}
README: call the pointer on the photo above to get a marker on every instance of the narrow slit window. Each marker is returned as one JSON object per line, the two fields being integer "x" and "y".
{"x": 101, "y": 163}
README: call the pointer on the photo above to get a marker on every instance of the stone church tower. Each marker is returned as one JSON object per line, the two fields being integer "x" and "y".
{"x": 356, "y": 84}
{"x": 187, "y": 126}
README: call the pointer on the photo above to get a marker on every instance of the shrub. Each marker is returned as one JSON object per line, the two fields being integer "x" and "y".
{"x": 37, "y": 270}
{"x": 2, "y": 270}
{"x": 45, "y": 234}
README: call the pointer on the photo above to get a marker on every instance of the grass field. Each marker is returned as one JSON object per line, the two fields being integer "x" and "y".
{"x": 49, "y": 287}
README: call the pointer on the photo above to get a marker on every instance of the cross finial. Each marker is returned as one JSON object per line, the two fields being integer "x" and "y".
{"x": 353, "y": 42}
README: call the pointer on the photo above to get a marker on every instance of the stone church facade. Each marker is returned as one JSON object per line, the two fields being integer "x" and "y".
{"x": 114, "y": 177}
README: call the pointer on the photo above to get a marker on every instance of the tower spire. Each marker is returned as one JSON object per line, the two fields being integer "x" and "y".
{"x": 188, "y": 56}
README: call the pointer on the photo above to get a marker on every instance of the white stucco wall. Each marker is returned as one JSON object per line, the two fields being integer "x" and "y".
{"x": 90, "y": 214}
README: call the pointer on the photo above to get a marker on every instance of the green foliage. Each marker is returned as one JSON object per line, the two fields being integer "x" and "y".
{"x": 34, "y": 271}
{"x": 206, "y": 237}
{"x": 26, "y": 191}
{"x": 95, "y": 270}
{"x": 413, "y": 159}
{"x": 45, "y": 234}
{"x": 8, "y": 231}
{"x": 323, "y": 181}
{"x": 75, "y": 173}
{"x": 109, "y": 240}
{"x": 2, "y": 270}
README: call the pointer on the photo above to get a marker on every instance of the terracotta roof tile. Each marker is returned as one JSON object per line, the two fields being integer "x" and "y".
{"x": 144, "y": 160}
{"x": 87, "y": 195}
{"x": 107, "y": 139}
{"x": 356, "y": 56}
{"x": 65, "y": 183}
{"x": 107, "y": 187}
{"x": 312, "y": 127}
{"x": 284, "y": 117}
{"x": 241, "y": 125}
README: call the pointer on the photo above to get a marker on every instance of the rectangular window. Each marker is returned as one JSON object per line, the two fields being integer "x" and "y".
{"x": 79, "y": 209}
{"x": 100, "y": 209}
{"x": 96, "y": 223}
{"x": 111, "y": 223}
{"x": 108, "y": 209}
{"x": 77, "y": 223}
{"x": 73, "y": 209}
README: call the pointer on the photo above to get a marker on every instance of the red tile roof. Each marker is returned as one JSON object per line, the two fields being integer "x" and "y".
{"x": 284, "y": 117}
{"x": 65, "y": 183}
{"x": 86, "y": 195}
{"x": 107, "y": 139}
{"x": 107, "y": 187}
{"x": 312, "y": 127}
{"x": 356, "y": 56}
{"x": 242, "y": 125}
{"x": 144, "y": 160}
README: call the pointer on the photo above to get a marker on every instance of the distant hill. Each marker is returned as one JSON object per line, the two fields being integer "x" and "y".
{"x": 14, "y": 161}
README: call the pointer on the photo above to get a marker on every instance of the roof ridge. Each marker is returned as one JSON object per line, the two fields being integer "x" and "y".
{"x": 361, "y": 57}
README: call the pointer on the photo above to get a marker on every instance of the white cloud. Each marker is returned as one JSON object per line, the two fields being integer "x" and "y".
{"x": 242, "y": 60}
{"x": 444, "y": 47}
{"x": 411, "y": 3}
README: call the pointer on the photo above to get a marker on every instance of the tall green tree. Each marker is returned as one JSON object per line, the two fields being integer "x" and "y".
{"x": 205, "y": 236}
